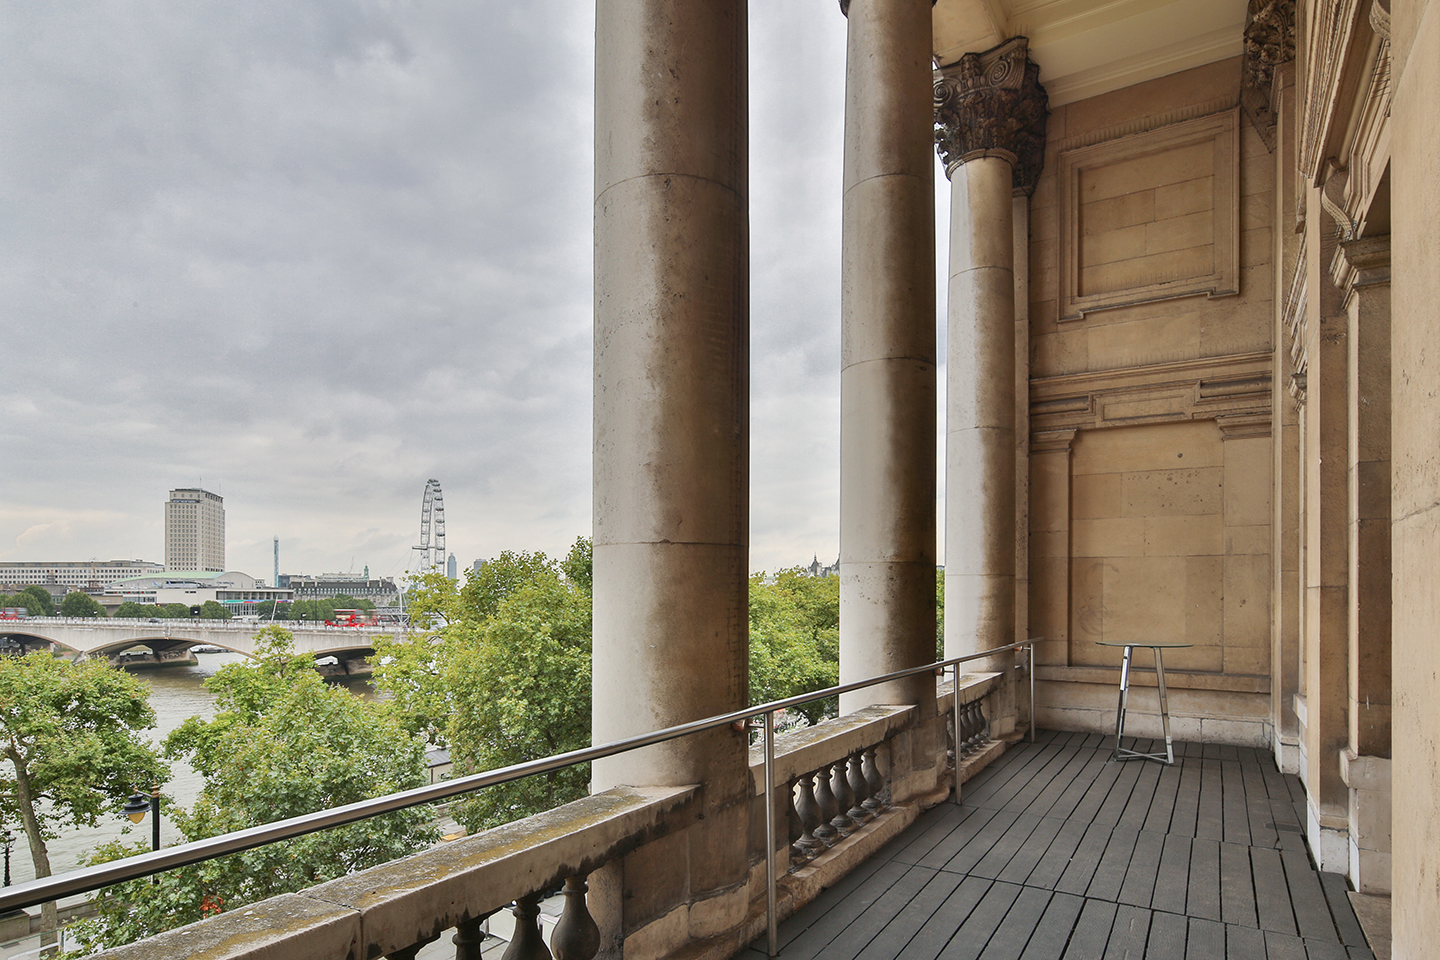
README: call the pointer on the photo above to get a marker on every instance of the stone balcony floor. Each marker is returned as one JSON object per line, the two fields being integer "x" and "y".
{"x": 1056, "y": 853}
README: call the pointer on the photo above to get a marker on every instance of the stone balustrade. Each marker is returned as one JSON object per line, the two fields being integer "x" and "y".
{"x": 842, "y": 788}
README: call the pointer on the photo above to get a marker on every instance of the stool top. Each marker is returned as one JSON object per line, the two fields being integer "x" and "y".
{"x": 1160, "y": 644}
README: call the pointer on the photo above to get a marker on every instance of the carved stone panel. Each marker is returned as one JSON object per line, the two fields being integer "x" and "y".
{"x": 1150, "y": 216}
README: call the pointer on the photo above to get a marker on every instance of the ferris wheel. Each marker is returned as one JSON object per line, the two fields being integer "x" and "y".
{"x": 432, "y": 530}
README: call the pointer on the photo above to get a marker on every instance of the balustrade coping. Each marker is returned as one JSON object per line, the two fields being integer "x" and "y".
{"x": 395, "y": 905}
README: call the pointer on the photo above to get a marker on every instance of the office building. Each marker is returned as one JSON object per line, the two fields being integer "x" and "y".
{"x": 195, "y": 531}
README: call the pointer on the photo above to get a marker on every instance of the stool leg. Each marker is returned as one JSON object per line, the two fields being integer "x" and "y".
{"x": 1164, "y": 704}
{"x": 1124, "y": 695}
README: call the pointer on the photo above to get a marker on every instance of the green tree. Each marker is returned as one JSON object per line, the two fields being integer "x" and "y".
{"x": 71, "y": 734}
{"x": 343, "y": 601}
{"x": 794, "y": 638}
{"x": 501, "y": 674}
{"x": 283, "y": 743}
{"x": 35, "y": 599}
{"x": 174, "y": 611}
{"x": 214, "y": 610}
{"x": 78, "y": 604}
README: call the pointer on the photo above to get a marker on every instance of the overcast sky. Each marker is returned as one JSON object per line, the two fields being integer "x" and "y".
{"x": 308, "y": 254}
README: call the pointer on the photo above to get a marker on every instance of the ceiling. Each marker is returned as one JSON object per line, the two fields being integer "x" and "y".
{"x": 1089, "y": 47}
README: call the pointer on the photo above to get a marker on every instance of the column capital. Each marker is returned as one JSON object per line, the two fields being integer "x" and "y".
{"x": 992, "y": 104}
{"x": 845, "y": 6}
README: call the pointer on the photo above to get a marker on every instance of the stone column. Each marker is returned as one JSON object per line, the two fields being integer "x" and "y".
{"x": 1362, "y": 269}
{"x": 887, "y": 379}
{"x": 990, "y": 133}
{"x": 671, "y": 439}
{"x": 1327, "y": 593}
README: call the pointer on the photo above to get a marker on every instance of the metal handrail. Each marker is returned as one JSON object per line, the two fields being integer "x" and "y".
{"x": 86, "y": 879}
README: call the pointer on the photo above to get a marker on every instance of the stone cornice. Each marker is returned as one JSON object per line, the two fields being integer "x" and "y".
{"x": 1232, "y": 390}
{"x": 992, "y": 104}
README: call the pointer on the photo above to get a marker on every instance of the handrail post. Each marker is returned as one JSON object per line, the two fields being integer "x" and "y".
{"x": 1031, "y": 651}
{"x": 771, "y": 927}
{"x": 955, "y": 717}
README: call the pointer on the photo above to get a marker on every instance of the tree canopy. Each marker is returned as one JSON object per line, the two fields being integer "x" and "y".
{"x": 794, "y": 638}
{"x": 78, "y": 604}
{"x": 283, "y": 743}
{"x": 71, "y": 734}
{"x": 35, "y": 599}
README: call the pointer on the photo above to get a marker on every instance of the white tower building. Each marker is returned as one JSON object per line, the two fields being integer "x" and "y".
{"x": 195, "y": 530}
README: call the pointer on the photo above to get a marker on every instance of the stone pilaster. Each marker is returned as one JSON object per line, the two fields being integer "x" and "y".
{"x": 1361, "y": 269}
{"x": 990, "y": 114}
{"x": 887, "y": 380}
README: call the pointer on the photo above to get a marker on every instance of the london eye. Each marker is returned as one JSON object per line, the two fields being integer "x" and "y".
{"x": 432, "y": 531}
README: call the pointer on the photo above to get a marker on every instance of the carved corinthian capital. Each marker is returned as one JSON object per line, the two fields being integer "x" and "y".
{"x": 989, "y": 104}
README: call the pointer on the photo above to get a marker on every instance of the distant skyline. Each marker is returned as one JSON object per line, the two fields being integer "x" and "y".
{"x": 308, "y": 254}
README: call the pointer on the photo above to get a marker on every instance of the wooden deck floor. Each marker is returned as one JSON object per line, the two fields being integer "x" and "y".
{"x": 1057, "y": 854}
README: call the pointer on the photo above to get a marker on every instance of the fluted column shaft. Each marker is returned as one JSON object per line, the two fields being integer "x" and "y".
{"x": 887, "y": 380}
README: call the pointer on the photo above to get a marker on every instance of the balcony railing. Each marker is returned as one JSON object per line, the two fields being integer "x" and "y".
{"x": 823, "y": 798}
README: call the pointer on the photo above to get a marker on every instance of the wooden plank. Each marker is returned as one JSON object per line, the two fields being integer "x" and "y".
{"x": 970, "y": 940}
{"x": 1132, "y": 817}
{"x": 996, "y": 790}
{"x": 1026, "y": 795}
{"x": 1095, "y": 769}
{"x": 1114, "y": 802}
{"x": 1202, "y": 896}
{"x": 1234, "y": 812}
{"x": 1088, "y": 804}
{"x": 1084, "y": 860}
{"x": 1162, "y": 805}
{"x": 1282, "y": 946}
{"x": 1139, "y": 886}
{"x": 1019, "y": 924}
{"x": 1242, "y": 943}
{"x": 1337, "y": 894}
{"x": 834, "y": 896}
{"x": 899, "y": 932}
{"x": 1092, "y": 931}
{"x": 1035, "y": 847}
{"x": 1312, "y": 913}
{"x": 1005, "y": 847}
{"x": 973, "y": 852}
{"x": 1167, "y": 937}
{"x": 1187, "y": 799}
{"x": 1173, "y": 879}
{"x": 843, "y": 933}
{"x": 1237, "y": 891}
{"x": 955, "y": 840}
{"x": 1053, "y": 931}
{"x": 1361, "y": 953}
{"x": 1110, "y": 871}
{"x": 1205, "y": 940}
{"x": 1272, "y": 896}
{"x": 1210, "y": 817}
{"x": 937, "y": 931}
{"x": 1128, "y": 934}
{"x": 922, "y": 836}
{"x": 1325, "y": 950}
{"x": 1046, "y": 800}
{"x": 1275, "y": 785}
{"x": 1057, "y": 856}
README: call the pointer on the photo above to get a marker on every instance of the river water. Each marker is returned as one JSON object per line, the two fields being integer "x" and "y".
{"x": 177, "y": 694}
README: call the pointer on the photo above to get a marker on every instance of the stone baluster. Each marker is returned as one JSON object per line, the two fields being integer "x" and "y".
{"x": 976, "y": 726}
{"x": 469, "y": 936}
{"x": 527, "y": 944}
{"x": 809, "y": 813}
{"x": 875, "y": 781}
{"x": 859, "y": 789}
{"x": 844, "y": 799}
{"x": 984, "y": 722}
{"x": 576, "y": 936}
{"x": 952, "y": 740}
{"x": 825, "y": 800}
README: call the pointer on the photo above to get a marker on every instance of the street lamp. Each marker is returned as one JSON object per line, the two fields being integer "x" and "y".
{"x": 9, "y": 839}
{"x": 136, "y": 807}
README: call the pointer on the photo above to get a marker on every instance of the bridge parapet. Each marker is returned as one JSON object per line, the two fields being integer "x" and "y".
{"x": 87, "y": 635}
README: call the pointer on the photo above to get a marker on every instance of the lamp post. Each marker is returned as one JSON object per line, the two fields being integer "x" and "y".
{"x": 9, "y": 839}
{"x": 135, "y": 809}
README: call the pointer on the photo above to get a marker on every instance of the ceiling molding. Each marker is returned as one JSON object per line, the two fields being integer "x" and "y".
{"x": 1127, "y": 71}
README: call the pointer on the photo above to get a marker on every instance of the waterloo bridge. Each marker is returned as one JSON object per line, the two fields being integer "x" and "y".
{"x": 172, "y": 639}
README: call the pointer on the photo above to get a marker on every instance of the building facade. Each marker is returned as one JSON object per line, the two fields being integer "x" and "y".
{"x": 195, "y": 530}
{"x": 382, "y": 591}
{"x": 232, "y": 588}
{"x": 77, "y": 574}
